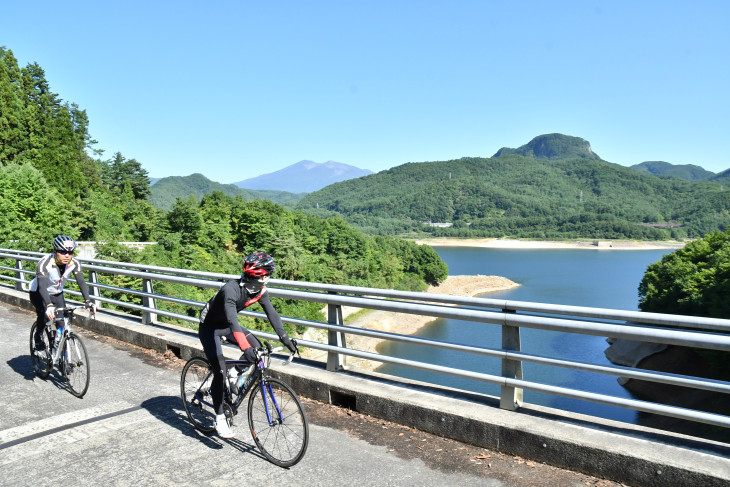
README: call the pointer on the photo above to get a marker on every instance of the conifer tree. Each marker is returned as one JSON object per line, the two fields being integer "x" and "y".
{"x": 13, "y": 138}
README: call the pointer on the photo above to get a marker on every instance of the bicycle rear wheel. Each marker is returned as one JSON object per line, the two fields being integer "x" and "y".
{"x": 41, "y": 360}
{"x": 76, "y": 365}
{"x": 195, "y": 383}
{"x": 278, "y": 423}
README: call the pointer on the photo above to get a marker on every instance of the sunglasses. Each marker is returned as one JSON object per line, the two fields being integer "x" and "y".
{"x": 65, "y": 252}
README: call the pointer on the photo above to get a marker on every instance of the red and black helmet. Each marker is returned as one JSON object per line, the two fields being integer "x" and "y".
{"x": 258, "y": 265}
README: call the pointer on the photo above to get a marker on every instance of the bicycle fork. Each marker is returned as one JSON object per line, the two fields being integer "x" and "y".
{"x": 268, "y": 392}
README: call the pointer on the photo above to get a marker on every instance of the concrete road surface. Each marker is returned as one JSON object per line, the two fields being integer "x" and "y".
{"x": 131, "y": 430}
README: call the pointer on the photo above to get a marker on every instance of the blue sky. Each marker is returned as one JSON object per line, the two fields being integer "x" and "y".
{"x": 235, "y": 89}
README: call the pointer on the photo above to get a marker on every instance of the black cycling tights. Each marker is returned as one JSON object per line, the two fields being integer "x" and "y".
{"x": 40, "y": 310}
{"x": 211, "y": 341}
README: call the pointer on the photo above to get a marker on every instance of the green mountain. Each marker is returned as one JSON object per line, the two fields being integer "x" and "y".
{"x": 553, "y": 146}
{"x": 165, "y": 191}
{"x": 722, "y": 177}
{"x": 512, "y": 195}
{"x": 690, "y": 172}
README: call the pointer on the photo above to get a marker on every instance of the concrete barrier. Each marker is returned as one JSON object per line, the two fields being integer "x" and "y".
{"x": 621, "y": 452}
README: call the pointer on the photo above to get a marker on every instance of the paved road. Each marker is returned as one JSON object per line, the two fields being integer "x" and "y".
{"x": 131, "y": 429}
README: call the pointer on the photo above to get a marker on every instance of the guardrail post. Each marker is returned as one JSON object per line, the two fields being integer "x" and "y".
{"x": 94, "y": 279}
{"x": 335, "y": 361}
{"x": 511, "y": 397}
{"x": 148, "y": 317}
{"x": 20, "y": 285}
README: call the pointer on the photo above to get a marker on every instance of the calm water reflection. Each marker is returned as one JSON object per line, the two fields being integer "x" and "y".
{"x": 595, "y": 278}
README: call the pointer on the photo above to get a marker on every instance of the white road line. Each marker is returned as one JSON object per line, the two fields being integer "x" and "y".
{"x": 68, "y": 428}
{"x": 63, "y": 419}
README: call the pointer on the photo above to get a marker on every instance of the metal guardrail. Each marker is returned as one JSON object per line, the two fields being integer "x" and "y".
{"x": 512, "y": 316}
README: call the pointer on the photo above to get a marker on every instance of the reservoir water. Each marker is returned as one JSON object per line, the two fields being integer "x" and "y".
{"x": 581, "y": 277}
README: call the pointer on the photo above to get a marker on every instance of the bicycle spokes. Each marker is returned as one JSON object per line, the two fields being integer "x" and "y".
{"x": 278, "y": 423}
{"x": 195, "y": 385}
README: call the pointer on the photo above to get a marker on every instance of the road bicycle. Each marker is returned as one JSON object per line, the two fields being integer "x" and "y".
{"x": 275, "y": 415}
{"x": 64, "y": 350}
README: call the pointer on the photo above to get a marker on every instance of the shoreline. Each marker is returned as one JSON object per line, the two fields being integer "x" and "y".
{"x": 467, "y": 286}
{"x": 403, "y": 323}
{"x": 505, "y": 243}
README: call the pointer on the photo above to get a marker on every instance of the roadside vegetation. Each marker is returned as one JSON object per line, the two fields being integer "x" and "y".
{"x": 54, "y": 182}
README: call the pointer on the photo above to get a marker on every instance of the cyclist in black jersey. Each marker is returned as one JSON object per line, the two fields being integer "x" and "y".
{"x": 46, "y": 289}
{"x": 219, "y": 318}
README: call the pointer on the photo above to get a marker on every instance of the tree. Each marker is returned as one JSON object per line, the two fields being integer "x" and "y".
{"x": 215, "y": 209}
{"x": 694, "y": 280}
{"x": 119, "y": 173}
{"x": 50, "y": 136}
{"x": 31, "y": 212}
{"x": 12, "y": 128}
{"x": 185, "y": 219}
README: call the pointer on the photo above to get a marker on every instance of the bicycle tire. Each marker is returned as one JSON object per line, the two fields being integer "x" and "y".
{"x": 197, "y": 376}
{"x": 284, "y": 440}
{"x": 76, "y": 366}
{"x": 41, "y": 361}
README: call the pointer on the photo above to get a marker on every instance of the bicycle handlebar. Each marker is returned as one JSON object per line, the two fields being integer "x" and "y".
{"x": 59, "y": 312}
{"x": 68, "y": 308}
{"x": 267, "y": 350}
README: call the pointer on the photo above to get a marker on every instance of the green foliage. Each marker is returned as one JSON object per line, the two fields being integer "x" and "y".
{"x": 186, "y": 220}
{"x": 524, "y": 197}
{"x": 690, "y": 172}
{"x": 216, "y": 233}
{"x": 165, "y": 192}
{"x": 31, "y": 213}
{"x": 13, "y": 130}
{"x": 694, "y": 280}
{"x": 123, "y": 176}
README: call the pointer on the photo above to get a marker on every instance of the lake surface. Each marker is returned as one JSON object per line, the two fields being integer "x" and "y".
{"x": 580, "y": 277}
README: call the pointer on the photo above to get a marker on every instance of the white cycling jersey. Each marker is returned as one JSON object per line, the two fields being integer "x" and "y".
{"x": 52, "y": 277}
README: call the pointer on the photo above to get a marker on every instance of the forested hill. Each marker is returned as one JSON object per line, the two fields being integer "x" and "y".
{"x": 690, "y": 172}
{"x": 165, "y": 191}
{"x": 517, "y": 196}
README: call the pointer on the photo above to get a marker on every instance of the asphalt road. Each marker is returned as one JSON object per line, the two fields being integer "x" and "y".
{"x": 131, "y": 430}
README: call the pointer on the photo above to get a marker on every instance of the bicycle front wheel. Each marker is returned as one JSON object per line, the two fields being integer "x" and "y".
{"x": 41, "y": 359}
{"x": 278, "y": 423}
{"x": 195, "y": 382}
{"x": 76, "y": 365}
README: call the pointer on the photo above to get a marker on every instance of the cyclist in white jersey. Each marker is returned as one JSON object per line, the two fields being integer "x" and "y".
{"x": 46, "y": 289}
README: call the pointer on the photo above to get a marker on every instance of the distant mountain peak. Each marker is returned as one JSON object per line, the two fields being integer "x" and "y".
{"x": 553, "y": 146}
{"x": 304, "y": 177}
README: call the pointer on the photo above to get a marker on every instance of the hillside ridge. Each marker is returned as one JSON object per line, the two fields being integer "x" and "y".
{"x": 553, "y": 146}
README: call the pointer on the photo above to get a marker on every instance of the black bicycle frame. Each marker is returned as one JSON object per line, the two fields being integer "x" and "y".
{"x": 264, "y": 392}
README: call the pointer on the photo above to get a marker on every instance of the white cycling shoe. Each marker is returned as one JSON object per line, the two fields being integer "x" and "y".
{"x": 222, "y": 428}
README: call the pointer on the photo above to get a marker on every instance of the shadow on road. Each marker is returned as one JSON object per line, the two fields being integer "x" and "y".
{"x": 23, "y": 366}
{"x": 169, "y": 410}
